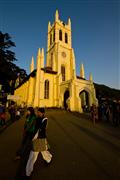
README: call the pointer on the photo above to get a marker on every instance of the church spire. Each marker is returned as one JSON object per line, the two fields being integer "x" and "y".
{"x": 42, "y": 58}
{"x": 37, "y": 88}
{"x": 31, "y": 84}
{"x": 32, "y": 65}
{"x": 38, "y": 52}
{"x": 49, "y": 26}
{"x": 82, "y": 73}
{"x": 56, "y": 15}
{"x": 42, "y": 52}
{"x": 69, "y": 23}
{"x": 90, "y": 77}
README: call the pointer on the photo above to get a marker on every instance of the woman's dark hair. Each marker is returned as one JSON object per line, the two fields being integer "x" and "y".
{"x": 42, "y": 109}
{"x": 31, "y": 109}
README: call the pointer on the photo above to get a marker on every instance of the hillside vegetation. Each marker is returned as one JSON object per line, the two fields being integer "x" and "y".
{"x": 103, "y": 91}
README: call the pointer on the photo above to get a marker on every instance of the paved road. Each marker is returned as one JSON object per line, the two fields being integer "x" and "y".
{"x": 81, "y": 150}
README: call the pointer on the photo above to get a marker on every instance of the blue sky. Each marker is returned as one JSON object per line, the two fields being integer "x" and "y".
{"x": 95, "y": 33}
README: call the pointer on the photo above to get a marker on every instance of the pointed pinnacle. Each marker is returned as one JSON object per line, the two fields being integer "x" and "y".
{"x": 39, "y": 52}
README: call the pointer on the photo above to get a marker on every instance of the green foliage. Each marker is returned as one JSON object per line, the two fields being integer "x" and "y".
{"x": 103, "y": 91}
{"x": 9, "y": 72}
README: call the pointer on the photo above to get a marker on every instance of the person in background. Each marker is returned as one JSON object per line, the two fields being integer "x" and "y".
{"x": 12, "y": 111}
{"x": 39, "y": 142}
{"x": 28, "y": 132}
{"x": 17, "y": 114}
{"x": 107, "y": 113}
{"x": 117, "y": 113}
{"x": 3, "y": 117}
{"x": 94, "y": 113}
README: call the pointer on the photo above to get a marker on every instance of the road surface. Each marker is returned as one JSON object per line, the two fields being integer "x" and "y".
{"x": 81, "y": 150}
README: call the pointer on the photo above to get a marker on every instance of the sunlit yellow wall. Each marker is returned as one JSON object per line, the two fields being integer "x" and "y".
{"x": 32, "y": 91}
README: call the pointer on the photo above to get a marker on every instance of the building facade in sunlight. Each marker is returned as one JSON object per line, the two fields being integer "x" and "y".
{"x": 56, "y": 84}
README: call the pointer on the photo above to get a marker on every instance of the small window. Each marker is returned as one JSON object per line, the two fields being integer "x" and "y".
{"x": 51, "y": 60}
{"x": 63, "y": 73}
{"x": 46, "y": 93}
{"x": 50, "y": 39}
{"x": 60, "y": 35}
{"x": 54, "y": 36}
{"x": 66, "y": 38}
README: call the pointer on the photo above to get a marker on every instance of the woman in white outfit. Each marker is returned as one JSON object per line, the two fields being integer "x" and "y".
{"x": 39, "y": 142}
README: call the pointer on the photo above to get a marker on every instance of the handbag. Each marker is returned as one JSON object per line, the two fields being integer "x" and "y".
{"x": 39, "y": 144}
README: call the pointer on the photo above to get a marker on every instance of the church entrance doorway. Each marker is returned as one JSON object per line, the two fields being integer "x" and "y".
{"x": 84, "y": 96}
{"x": 66, "y": 96}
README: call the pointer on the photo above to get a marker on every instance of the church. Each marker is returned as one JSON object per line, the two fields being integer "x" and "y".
{"x": 56, "y": 83}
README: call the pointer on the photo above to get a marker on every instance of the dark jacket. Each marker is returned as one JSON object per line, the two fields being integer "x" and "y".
{"x": 41, "y": 124}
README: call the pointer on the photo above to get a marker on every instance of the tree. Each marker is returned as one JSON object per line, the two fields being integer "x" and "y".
{"x": 106, "y": 92}
{"x": 8, "y": 70}
{"x": 5, "y": 44}
{"x": 6, "y": 57}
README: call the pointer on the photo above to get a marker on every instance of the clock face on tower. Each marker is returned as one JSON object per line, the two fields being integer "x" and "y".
{"x": 63, "y": 54}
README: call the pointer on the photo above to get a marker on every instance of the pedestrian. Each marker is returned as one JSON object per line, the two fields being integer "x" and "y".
{"x": 39, "y": 142}
{"x": 99, "y": 112}
{"x": 3, "y": 117}
{"x": 107, "y": 113}
{"x": 94, "y": 113}
{"x": 28, "y": 132}
{"x": 114, "y": 113}
{"x": 117, "y": 113}
{"x": 17, "y": 114}
{"x": 12, "y": 111}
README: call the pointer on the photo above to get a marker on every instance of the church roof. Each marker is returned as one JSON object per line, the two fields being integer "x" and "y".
{"x": 78, "y": 77}
{"x": 33, "y": 74}
{"x": 48, "y": 70}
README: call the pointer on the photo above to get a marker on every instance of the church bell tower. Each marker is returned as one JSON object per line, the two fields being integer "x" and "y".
{"x": 60, "y": 55}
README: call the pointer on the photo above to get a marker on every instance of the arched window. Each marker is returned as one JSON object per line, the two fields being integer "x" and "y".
{"x": 51, "y": 60}
{"x": 46, "y": 92}
{"x": 84, "y": 96}
{"x": 50, "y": 39}
{"x": 66, "y": 38}
{"x": 63, "y": 72}
{"x": 60, "y": 35}
{"x": 54, "y": 36}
